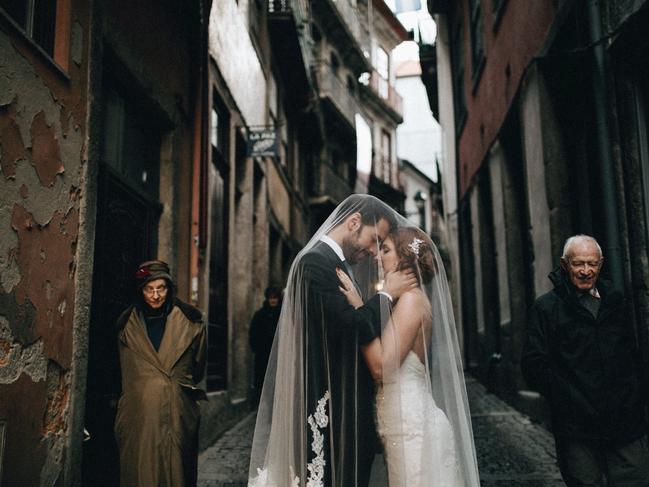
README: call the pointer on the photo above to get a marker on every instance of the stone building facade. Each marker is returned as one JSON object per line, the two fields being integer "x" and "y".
{"x": 296, "y": 68}
{"x": 258, "y": 206}
{"x": 382, "y": 105}
{"x": 544, "y": 110}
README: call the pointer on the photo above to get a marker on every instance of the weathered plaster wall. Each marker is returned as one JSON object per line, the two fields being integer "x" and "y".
{"x": 42, "y": 160}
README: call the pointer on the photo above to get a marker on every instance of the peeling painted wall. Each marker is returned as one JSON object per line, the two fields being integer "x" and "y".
{"x": 42, "y": 134}
{"x": 51, "y": 131}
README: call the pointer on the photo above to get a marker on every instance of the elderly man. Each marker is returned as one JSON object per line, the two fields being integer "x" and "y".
{"x": 581, "y": 355}
{"x": 162, "y": 358}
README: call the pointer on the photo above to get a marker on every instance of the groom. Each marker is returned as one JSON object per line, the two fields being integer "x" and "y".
{"x": 334, "y": 366}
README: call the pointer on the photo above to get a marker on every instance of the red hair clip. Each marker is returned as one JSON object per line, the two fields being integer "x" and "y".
{"x": 142, "y": 273}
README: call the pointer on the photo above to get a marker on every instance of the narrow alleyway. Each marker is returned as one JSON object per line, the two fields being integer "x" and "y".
{"x": 512, "y": 451}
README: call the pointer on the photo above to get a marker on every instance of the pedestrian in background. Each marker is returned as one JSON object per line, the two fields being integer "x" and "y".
{"x": 161, "y": 344}
{"x": 262, "y": 333}
{"x": 581, "y": 354}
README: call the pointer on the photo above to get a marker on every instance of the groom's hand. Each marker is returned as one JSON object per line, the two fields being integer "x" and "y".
{"x": 399, "y": 282}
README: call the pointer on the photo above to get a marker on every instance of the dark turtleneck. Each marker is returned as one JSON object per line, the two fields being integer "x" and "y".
{"x": 156, "y": 321}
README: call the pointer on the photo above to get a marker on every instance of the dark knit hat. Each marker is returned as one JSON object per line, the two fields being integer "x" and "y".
{"x": 152, "y": 270}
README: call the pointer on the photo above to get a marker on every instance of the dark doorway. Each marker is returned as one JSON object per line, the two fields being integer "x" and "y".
{"x": 217, "y": 352}
{"x": 217, "y": 331}
{"x": 467, "y": 268}
{"x": 490, "y": 338}
{"x": 126, "y": 234}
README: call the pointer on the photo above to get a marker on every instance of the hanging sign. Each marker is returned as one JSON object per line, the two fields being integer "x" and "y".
{"x": 262, "y": 142}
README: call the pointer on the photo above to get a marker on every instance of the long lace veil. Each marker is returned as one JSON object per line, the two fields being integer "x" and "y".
{"x": 426, "y": 425}
{"x": 315, "y": 422}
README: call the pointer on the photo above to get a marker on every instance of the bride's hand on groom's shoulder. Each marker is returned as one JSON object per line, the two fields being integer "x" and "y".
{"x": 398, "y": 283}
{"x": 348, "y": 289}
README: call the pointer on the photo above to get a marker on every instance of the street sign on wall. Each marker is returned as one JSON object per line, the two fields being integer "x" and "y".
{"x": 262, "y": 141}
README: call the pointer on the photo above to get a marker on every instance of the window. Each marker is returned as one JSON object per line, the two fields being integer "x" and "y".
{"x": 386, "y": 156}
{"x": 335, "y": 64}
{"x": 351, "y": 86}
{"x": 497, "y": 4}
{"x": 283, "y": 131}
{"x": 315, "y": 33}
{"x": 39, "y": 20}
{"x": 457, "y": 60}
{"x": 383, "y": 70}
{"x": 217, "y": 326}
{"x": 477, "y": 39}
{"x": 258, "y": 28}
{"x": 131, "y": 144}
{"x": 214, "y": 129}
{"x": 337, "y": 162}
{"x": 219, "y": 132}
{"x": 498, "y": 7}
{"x": 642, "y": 101}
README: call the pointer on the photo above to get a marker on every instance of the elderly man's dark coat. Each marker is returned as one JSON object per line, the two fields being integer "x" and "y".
{"x": 158, "y": 414}
{"x": 587, "y": 367}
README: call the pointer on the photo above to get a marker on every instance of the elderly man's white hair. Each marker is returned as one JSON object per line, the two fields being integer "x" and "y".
{"x": 576, "y": 239}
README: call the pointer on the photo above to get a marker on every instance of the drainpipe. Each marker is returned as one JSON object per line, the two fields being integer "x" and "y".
{"x": 613, "y": 252}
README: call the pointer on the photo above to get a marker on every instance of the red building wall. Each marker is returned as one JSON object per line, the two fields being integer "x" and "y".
{"x": 42, "y": 159}
{"x": 509, "y": 50}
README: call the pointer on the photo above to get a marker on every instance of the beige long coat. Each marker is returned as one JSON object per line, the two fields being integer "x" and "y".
{"x": 158, "y": 414}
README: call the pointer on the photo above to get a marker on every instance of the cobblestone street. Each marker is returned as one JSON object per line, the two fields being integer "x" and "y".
{"x": 512, "y": 451}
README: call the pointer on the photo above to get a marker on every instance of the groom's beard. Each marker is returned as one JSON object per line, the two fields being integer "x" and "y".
{"x": 352, "y": 251}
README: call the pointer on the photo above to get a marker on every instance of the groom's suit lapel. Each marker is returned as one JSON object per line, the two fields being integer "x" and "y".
{"x": 332, "y": 258}
{"x": 329, "y": 254}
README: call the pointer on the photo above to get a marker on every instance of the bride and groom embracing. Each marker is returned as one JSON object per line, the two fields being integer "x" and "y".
{"x": 365, "y": 344}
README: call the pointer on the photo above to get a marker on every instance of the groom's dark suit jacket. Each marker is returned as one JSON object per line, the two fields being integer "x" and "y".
{"x": 333, "y": 362}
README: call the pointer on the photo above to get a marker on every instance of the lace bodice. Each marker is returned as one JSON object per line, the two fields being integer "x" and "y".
{"x": 416, "y": 434}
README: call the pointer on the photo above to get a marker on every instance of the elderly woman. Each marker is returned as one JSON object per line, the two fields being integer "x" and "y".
{"x": 161, "y": 344}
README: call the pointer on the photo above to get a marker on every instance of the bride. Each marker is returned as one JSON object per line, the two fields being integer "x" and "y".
{"x": 315, "y": 425}
{"x": 416, "y": 366}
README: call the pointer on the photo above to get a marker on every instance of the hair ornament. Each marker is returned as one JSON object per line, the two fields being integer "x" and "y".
{"x": 414, "y": 245}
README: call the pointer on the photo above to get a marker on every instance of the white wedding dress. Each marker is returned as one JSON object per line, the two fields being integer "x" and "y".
{"x": 417, "y": 436}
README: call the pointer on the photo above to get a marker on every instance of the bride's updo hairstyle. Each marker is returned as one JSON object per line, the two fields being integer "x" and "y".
{"x": 415, "y": 251}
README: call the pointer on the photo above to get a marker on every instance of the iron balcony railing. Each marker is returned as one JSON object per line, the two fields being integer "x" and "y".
{"x": 338, "y": 93}
{"x": 299, "y": 8}
{"x": 279, "y": 6}
{"x": 386, "y": 92}
{"x": 350, "y": 17}
{"x": 327, "y": 182}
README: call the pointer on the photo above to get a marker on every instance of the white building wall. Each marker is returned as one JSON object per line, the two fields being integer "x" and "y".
{"x": 496, "y": 168}
{"x": 477, "y": 258}
{"x": 531, "y": 118}
{"x": 448, "y": 164}
{"x": 236, "y": 57}
{"x": 414, "y": 183}
{"x": 419, "y": 136}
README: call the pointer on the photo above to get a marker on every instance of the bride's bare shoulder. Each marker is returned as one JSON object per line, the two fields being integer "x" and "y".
{"x": 413, "y": 299}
